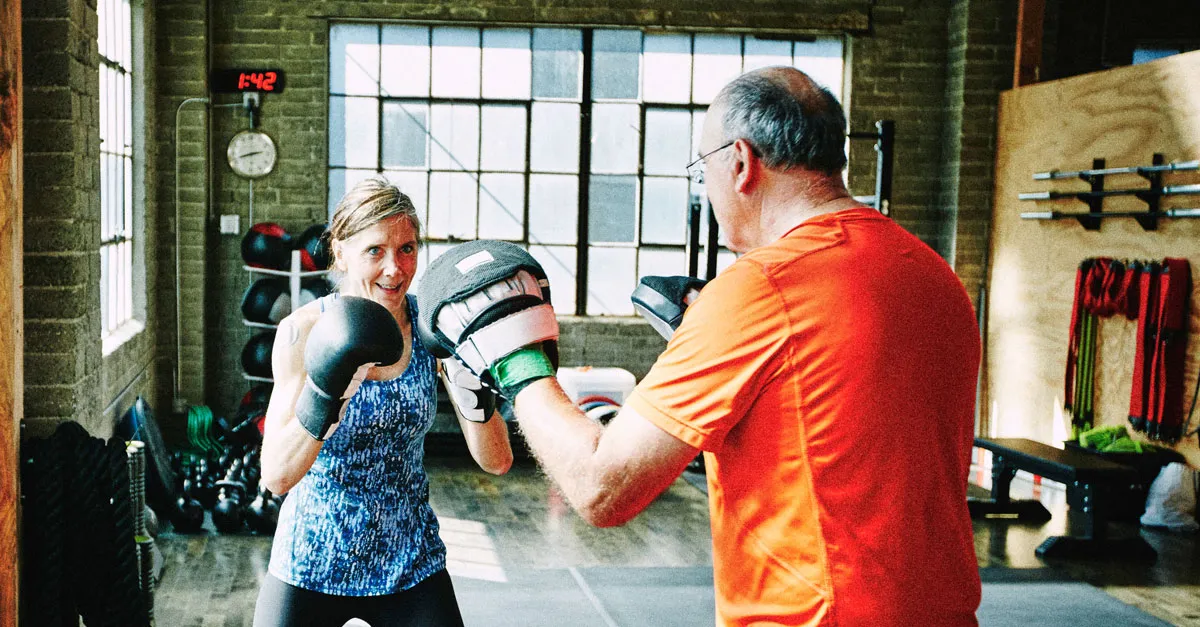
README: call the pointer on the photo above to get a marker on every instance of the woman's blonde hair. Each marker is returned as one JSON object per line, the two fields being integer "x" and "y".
{"x": 368, "y": 203}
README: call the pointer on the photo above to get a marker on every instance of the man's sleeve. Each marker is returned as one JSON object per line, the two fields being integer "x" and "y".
{"x": 721, "y": 355}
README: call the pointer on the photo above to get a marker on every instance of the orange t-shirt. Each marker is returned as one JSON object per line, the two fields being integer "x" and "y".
{"x": 830, "y": 379}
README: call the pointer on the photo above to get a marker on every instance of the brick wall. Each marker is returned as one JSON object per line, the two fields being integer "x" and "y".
{"x": 61, "y": 218}
{"x": 66, "y": 375}
{"x": 979, "y": 65}
{"x": 180, "y": 41}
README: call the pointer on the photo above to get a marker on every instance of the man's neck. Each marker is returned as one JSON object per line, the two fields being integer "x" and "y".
{"x": 794, "y": 200}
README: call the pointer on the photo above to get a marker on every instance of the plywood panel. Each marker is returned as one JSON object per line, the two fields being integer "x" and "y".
{"x": 1124, "y": 116}
{"x": 11, "y": 323}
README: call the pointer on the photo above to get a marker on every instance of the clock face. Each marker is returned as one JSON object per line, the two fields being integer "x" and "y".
{"x": 251, "y": 154}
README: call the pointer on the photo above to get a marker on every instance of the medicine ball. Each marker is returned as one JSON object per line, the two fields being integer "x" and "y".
{"x": 314, "y": 248}
{"x": 267, "y": 245}
{"x": 256, "y": 355}
{"x": 259, "y": 395}
{"x": 269, "y": 300}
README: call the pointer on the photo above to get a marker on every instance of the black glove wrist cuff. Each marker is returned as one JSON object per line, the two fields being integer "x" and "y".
{"x": 316, "y": 412}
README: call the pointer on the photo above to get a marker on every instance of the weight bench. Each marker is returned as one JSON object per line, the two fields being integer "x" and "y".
{"x": 1091, "y": 481}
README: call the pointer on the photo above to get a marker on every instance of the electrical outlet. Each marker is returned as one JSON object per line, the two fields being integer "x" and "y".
{"x": 230, "y": 224}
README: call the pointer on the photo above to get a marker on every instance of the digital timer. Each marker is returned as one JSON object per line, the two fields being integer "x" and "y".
{"x": 240, "y": 80}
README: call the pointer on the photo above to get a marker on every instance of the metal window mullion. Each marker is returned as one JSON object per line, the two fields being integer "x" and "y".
{"x": 479, "y": 156}
{"x": 479, "y": 141}
{"x": 640, "y": 180}
{"x": 379, "y": 98}
{"x": 585, "y": 166}
{"x": 528, "y": 151}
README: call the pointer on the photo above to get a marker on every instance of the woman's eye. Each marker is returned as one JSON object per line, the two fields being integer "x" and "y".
{"x": 408, "y": 249}
{"x": 372, "y": 251}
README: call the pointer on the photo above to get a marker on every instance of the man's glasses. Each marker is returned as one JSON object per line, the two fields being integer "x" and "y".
{"x": 695, "y": 169}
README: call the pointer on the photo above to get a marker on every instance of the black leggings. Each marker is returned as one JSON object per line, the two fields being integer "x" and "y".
{"x": 430, "y": 603}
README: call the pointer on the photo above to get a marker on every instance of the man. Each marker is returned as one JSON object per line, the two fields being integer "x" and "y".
{"x": 828, "y": 375}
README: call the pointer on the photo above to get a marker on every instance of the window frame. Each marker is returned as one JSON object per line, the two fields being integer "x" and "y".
{"x": 583, "y": 175}
{"x": 122, "y": 193}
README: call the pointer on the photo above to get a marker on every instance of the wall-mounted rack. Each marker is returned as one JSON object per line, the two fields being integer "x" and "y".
{"x": 1094, "y": 197}
{"x": 294, "y": 276}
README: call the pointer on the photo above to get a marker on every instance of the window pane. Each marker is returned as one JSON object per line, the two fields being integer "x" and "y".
{"x": 105, "y": 197}
{"x": 428, "y": 253}
{"x": 615, "y": 138}
{"x": 668, "y": 141}
{"x": 611, "y": 279}
{"x": 354, "y": 59}
{"x": 697, "y": 131}
{"x": 502, "y": 206}
{"x": 662, "y": 262}
{"x": 612, "y": 206}
{"x": 415, "y": 185}
{"x": 127, "y": 282}
{"x": 503, "y": 138}
{"x": 506, "y": 63}
{"x": 557, "y": 63}
{"x": 455, "y": 137}
{"x": 105, "y": 133}
{"x": 353, "y": 132}
{"x": 668, "y": 74}
{"x": 725, "y": 258}
{"x": 456, "y": 62}
{"x": 405, "y": 61}
{"x": 553, "y": 209}
{"x": 105, "y": 280}
{"x": 452, "y": 202}
{"x": 559, "y": 264}
{"x": 405, "y": 140}
{"x": 766, "y": 53}
{"x": 554, "y": 137}
{"x": 718, "y": 61}
{"x": 664, "y": 210}
{"x": 822, "y": 61}
{"x": 340, "y": 181}
{"x": 615, "y": 64}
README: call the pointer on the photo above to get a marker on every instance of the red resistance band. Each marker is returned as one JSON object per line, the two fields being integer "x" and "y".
{"x": 1156, "y": 295}
{"x": 1156, "y": 401}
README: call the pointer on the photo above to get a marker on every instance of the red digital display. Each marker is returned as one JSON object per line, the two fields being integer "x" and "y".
{"x": 239, "y": 80}
{"x": 259, "y": 81}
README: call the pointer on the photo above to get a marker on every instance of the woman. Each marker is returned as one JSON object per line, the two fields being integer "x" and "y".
{"x": 357, "y": 536}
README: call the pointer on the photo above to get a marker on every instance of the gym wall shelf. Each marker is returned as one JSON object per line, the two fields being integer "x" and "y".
{"x": 294, "y": 276}
{"x": 1094, "y": 197}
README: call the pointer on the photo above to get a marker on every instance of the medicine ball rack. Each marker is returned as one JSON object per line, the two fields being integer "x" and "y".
{"x": 294, "y": 276}
{"x": 1094, "y": 197}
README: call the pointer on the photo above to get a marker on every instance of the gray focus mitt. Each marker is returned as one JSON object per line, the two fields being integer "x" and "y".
{"x": 661, "y": 300}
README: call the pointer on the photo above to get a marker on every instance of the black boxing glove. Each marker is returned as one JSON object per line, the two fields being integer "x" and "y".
{"x": 352, "y": 335}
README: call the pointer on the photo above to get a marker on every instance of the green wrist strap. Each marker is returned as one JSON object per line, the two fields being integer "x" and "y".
{"x": 521, "y": 368}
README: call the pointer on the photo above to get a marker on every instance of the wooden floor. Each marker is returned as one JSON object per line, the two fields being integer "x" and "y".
{"x": 518, "y": 521}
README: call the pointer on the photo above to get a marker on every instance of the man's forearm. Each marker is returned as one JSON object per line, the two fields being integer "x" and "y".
{"x": 564, "y": 441}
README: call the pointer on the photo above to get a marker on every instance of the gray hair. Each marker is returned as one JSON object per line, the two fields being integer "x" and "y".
{"x": 786, "y": 126}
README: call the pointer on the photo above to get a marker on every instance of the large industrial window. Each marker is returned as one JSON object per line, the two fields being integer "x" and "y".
{"x": 572, "y": 142}
{"x": 116, "y": 164}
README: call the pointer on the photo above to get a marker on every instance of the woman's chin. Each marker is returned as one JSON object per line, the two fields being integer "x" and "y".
{"x": 387, "y": 297}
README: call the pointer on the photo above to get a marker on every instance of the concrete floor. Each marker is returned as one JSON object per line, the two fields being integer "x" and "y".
{"x": 516, "y": 533}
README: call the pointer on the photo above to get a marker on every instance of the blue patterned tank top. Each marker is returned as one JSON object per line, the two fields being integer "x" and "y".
{"x": 359, "y": 523}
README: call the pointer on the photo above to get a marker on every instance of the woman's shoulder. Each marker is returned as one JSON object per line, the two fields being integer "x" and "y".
{"x": 294, "y": 328}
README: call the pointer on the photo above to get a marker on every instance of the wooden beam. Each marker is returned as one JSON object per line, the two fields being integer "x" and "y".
{"x": 1027, "y": 67}
{"x": 11, "y": 316}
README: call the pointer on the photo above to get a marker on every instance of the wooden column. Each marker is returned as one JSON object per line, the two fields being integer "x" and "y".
{"x": 1027, "y": 66}
{"x": 11, "y": 319}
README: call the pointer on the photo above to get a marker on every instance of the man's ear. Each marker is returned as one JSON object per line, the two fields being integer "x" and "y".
{"x": 747, "y": 167}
